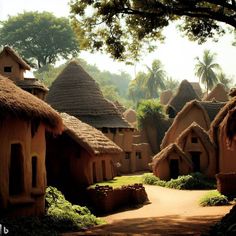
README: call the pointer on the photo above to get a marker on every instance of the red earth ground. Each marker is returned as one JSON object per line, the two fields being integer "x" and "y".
{"x": 170, "y": 212}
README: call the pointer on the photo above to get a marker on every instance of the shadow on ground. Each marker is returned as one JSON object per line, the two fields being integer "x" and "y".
{"x": 168, "y": 225}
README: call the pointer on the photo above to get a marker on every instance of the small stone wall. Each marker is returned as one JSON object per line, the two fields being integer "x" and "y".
{"x": 226, "y": 183}
{"x": 105, "y": 199}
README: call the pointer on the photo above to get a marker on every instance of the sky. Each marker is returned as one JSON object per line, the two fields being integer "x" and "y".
{"x": 177, "y": 54}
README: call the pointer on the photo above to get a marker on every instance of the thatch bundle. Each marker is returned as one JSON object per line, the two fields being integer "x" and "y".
{"x": 93, "y": 140}
{"x": 77, "y": 94}
{"x": 20, "y": 104}
{"x": 184, "y": 94}
{"x": 218, "y": 93}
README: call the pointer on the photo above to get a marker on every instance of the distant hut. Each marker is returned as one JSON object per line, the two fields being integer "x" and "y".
{"x": 14, "y": 67}
{"x": 130, "y": 116}
{"x": 171, "y": 162}
{"x": 225, "y": 120}
{"x": 120, "y": 107}
{"x": 195, "y": 141}
{"x": 218, "y": 93}
{"x": 24, "y": 120}
{"x": 184, "y": 94}
{"x": 79, "y": 157}
{"x": 197, "y": 88}
{"x": 194, "y": 111}
{"x": 165, "y": 97}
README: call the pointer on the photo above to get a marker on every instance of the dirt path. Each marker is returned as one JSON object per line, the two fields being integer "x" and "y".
{"x": 170, "y": 212}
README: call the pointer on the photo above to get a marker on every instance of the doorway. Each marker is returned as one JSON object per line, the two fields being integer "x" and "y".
{"x": 174, "y": 168}
{"x": 104, "y": 176}
{"x": 94, "y": 173}
{"x": 195, "y": 156}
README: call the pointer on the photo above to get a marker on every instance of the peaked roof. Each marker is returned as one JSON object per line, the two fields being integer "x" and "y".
{"x": 120, "y": 107}
{"x": 200, "y": 132}
{"x": 165, "y": 96}
{"x": 15, "y": 57}
{"x": 20, "y": 104}
{"x": 77, "y": 94}
{"x": 218, "y": 93}
{"x": 31, "y": 83}
{"x": 197, "y": 88}
{"x": 173, "y": 147}
{"x": 184, "y": 94}
{"x": 93, "y": 140}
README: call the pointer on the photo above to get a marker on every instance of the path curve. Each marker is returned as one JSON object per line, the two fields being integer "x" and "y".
{"x": 170, "y": 212}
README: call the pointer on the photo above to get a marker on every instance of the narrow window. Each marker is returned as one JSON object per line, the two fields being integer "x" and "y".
{"x": 16, "y": 171}
{"x": 94, "y": 173}
{"x": 194, "y": 140}
{"x": 138, "y": 155}
{"x": 127, "y": 155}
{"x": 34, "y": 172}
{"x": 104, "y": 175}
{"x": 7, "y": 69}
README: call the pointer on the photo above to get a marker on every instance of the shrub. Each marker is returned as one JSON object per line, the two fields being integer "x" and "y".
{"x": 150, "y": 179}
{"x": 213, "y": 198}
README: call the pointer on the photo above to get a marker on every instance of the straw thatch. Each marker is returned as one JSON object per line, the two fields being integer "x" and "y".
{"x": 18, "y": 103}
{"x": 200, "y": 133}
{"x": 165, "y": 96}
{"x": 130, "y": 115}
{"x": 184, "y": 94}
{"x": 218, "y": 93}
{"x": 168, "y": 151}
{"x": 197, "y": 88}
{"x": 93, "y": 140}
{"x": 232, "y": 92}
{"x": 120, "y": 107}
{"x": 77, "y": 94}
{"x": 31, "y": 84}
{"x": 15, "y": 57}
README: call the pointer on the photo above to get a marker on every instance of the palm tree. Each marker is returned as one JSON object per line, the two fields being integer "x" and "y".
{"x": 205, "y": 69}
{"x": 225, "y": 80}
{"x": 155, "y": 79}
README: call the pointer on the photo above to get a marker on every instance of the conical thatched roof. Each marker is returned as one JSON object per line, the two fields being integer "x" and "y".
{"x": 130, "y": 115}
{"x": 218, "y": 93}
{"x": 120, "y": 107}
{"x": 184, "y": 94}
{"x": 93, "y": 140}
{"x": 165, "y": 96}
{"x": 20, "y": 104}
{"x": 77, "y": 94}
{"x": 15, "y": 57}
{"x": 200, "y": 133}
{"x": 197, "y": 88}
{"x": 172, "y": 148}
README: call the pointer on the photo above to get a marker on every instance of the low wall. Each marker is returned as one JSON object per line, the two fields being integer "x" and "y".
{"x": 226, "y": 183}
{"x": 105, "y": 199}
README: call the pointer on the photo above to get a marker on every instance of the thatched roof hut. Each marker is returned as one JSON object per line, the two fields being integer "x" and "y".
{"x": 77, "y": 94}
{"x": 218, "y": 93}
{"x": 165, "y": 96}
{"x": 197, "y": 88}
{"x": 130, "y": 115}
{"x": 20, "y": 104}
{"x": 120, "y": 107}
{"x": 91, "y": 139}
{"x": 31, "y": 83}
{"x": 184, "y": 94}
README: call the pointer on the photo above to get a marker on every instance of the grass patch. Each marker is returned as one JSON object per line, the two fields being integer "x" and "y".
{"x": 61, "y": 216}
{"x": 120, "y": 181}
{"x": 213, "y": 198}
{"x": 191, "y": 181}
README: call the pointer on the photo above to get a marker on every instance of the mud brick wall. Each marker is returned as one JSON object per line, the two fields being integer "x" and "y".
{"x": 226, "y": 183}
{"x": 105, "y": 199}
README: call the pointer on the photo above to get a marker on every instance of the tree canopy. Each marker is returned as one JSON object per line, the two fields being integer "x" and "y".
{"x": 123, "y": 27}
{"x": 40, "y": 38}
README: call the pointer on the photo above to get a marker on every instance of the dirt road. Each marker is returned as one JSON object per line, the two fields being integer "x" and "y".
{"x": 170, "y": 212}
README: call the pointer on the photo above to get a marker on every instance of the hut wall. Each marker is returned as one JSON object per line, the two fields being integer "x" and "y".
{"x": 17, "y": 195}
{"x": 194, "y": 114}
{"x": 16, "y": 72}
{"x": 162, "y": 170}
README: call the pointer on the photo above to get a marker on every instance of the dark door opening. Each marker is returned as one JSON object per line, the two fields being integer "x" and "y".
{"x": 16, "y": 171}
{"x": 104, "y": 176}
{"x": 34, "y": 172}
{"x": 174, "y": 168}
{"x": 94, "y": 173}
{"x": 196, "y": 161}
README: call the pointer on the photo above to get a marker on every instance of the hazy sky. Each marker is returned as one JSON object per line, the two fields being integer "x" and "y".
{"x": 177, "y": 54}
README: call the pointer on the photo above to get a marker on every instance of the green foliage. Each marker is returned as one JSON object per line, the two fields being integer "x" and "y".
{"x": 124, "y": 28}
{"x": 213, "y": 198}
{"x": 39, "y": 37}
{"x": 149, "y": 110}
{"x": 191, "y": 181}
{"x": 61, "y": 216}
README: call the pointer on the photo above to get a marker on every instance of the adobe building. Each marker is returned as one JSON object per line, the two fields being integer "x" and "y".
{"x": 76, "y": 93}
{"x": 171, "y": 162}
{"x": 218, "y": 93}
{"x": 202, "y": 113}
{"x": 24, "y": 121}
{"x": 195, "y": 142}
{"x": 79, "y": 157}
{"x": 13, "y": 67}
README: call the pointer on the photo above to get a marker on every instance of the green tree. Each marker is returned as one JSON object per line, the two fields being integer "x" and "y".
{"x": 122, "y": 27}
{"x": 171, "y": 83}
{"x": 225, "y": 80}
{"x": 205, "y": 69}
{"x": 41, "y": 38}
{"x": 155, "y": 80}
